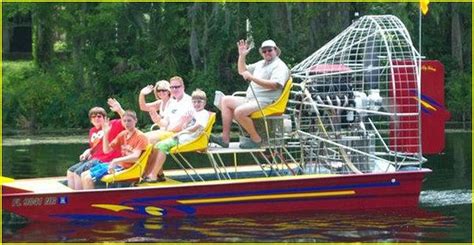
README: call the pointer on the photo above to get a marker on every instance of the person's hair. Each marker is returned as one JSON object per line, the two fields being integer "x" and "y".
{"x": 162, "y": 84}
{"x": 97, "y": 110}
{"x": 177, "y": 78}
{"x": 199, "y": 94}
{"x": 131, "y": 114}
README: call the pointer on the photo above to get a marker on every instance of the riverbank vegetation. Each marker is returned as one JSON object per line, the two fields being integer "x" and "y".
{"x": 84, "y": 53}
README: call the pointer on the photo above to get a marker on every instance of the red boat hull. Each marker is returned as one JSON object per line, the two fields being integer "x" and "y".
{"x": 272, "y": 195}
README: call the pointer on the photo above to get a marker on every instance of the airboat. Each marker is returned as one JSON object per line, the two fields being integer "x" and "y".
{"x": 344, "y": 135}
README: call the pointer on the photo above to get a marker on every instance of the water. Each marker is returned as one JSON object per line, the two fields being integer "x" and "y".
{"x": 444, "y": 214}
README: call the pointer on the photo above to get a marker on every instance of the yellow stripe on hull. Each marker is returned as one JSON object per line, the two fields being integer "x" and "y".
{"x": 115, "y": 208}
{"x": 266, "y": 197}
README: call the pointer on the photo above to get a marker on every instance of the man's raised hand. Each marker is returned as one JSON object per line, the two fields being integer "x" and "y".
{"x": 243, "y": 47}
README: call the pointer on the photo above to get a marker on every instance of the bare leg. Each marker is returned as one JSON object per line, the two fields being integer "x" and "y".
{"x": 87, "y": 182}
{"x": 153, "y": 136}
{"x": 158, "y": 166}
{"x": 228, "y": 105}
{"x": 157, "y": 136}
{"x": 151, "y": 163}
{"x": 242, "y": 115}
{"x": 77, "y": 182}
{"x": 70, "y": 179}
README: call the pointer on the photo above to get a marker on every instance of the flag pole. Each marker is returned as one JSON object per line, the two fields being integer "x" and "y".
{"x": 420, "y": 149}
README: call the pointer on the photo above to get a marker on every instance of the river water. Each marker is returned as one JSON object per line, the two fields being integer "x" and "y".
{"x": 444, "y": 213}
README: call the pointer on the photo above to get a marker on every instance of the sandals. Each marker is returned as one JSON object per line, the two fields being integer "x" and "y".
{"x": 160, "y": 178}
{"x": 149, "y": 180}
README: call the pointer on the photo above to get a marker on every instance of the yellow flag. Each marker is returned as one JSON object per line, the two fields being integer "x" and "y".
{"x": 424, "y": 6}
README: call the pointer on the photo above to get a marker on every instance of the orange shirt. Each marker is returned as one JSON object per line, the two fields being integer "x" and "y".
{"x": 137, "y": 141}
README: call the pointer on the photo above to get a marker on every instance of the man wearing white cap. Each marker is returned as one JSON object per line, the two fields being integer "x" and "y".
{"x": 267, "y": 79}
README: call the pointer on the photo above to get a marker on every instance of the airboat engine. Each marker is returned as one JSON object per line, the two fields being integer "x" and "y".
{"x": 352, "y": 112}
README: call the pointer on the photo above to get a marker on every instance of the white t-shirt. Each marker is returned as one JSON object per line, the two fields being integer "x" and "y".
{"x": 176, "y": 109}
{"x": 276, "y": 70}
{"x": 199, "y": 117}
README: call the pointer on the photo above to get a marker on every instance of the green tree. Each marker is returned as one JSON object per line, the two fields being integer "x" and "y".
{"x": 459, "y": 96}
{"x": 114, "y": 49}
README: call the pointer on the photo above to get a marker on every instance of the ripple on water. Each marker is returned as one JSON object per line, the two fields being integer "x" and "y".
{"x": 436, "y": 198}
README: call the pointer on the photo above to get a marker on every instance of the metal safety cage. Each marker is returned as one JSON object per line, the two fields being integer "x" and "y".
{"x": 358, "y": 109}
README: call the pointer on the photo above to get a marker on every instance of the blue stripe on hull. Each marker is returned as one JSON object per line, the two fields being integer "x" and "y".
{"x": 265, "y": 192}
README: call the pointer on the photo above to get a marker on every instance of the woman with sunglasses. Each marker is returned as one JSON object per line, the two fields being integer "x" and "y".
{"x": 157, "y": 108}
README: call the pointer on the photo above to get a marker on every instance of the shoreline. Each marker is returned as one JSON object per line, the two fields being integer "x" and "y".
{"x": 42, "y": 139}
{"x": 23, "y": 140}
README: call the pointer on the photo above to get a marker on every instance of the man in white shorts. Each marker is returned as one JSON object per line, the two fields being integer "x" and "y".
{"x": 267, "y": 79}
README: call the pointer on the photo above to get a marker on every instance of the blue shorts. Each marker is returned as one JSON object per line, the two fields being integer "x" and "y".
{"x": 99, "y": 171}
{"x": 83, "y": 166}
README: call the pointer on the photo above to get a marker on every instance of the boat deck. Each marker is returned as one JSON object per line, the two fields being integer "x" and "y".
{"x": 57, "y": 184}
{"x": 41, "y": 185}
{"x": 233, "y": 148}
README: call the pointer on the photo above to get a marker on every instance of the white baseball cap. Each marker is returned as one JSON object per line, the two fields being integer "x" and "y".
{"x": 270, "y": 43}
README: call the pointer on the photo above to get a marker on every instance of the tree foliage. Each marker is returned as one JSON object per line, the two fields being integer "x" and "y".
{"x": 114, "y": 49}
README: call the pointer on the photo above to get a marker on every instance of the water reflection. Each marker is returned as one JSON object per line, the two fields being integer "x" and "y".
{"x": 22, "y": 167}
{"x": 395, "y": 226}
{"x": 460, "y": 161}
{"x": 447, "y": 190}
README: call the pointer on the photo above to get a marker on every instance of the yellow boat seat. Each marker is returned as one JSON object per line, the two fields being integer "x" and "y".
{"x": 278, "y": 107}
{"x": 132, "y": 173}
{"x": 201, "y": 142}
